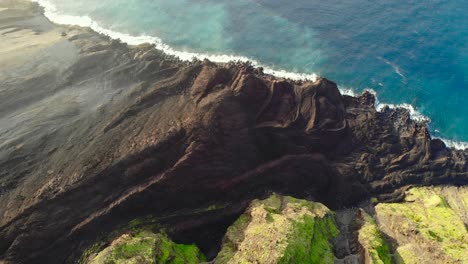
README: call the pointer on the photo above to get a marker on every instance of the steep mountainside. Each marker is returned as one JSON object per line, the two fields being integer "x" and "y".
{"x": 95, "y": 133}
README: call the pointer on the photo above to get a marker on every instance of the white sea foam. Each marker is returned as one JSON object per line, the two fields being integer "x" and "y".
{"x": 419, "y": 117}
{"x": 346, "y": 91}
{"x": 414, "y": 114}
{"x": 454, "y": 144}
{"x": 55, "y": 16}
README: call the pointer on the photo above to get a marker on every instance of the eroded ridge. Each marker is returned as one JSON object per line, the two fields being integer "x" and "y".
{"x": 166, "y": 138}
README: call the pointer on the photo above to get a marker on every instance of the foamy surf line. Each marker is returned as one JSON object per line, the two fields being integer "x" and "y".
{"x": 414, "y": 114}
{"x": 454, "y": 144}
{"x": 51, "y": 12}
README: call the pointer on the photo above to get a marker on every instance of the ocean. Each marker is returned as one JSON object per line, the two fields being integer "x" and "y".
{"x": 411, "y": 53}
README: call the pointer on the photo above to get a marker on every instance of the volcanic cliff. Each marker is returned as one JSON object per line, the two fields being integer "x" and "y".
{"x": 96, "y": 133}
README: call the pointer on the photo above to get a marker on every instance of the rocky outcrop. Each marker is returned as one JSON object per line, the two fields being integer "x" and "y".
{"x": 375, "y": 248}
{"x": 427, "y": 227}
{"x": 145, "y": 247}
{"x": 127, "y": 132}
{"x": 280, "y": 230}
{"x": 430, "y": 226}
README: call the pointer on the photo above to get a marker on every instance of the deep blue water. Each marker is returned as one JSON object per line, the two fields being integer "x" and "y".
{"x": 408, "y": 51}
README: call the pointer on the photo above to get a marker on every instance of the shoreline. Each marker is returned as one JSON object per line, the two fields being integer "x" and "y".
{"x": 96, "y": 133}
{"x": 54, "y": 16}
{"x": 51, "y": 13}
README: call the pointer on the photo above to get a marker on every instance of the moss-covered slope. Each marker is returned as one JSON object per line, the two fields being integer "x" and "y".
{"x": 146, "y": 248}
{"x": 430, "y": 226}
{"x": 281, "y": 230}
{"x": 375, "y": 247}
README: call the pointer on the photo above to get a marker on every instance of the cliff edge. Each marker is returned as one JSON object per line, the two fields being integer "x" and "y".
{"x": 95, "y": 133}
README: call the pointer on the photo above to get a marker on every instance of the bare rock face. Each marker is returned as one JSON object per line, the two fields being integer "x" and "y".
{"x": 167, "y": 138}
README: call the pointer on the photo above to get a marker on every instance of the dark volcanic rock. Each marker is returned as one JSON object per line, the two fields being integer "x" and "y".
{"x": 177, "y": 137}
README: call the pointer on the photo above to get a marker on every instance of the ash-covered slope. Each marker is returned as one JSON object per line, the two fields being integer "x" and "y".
{"x": 113, "y": 132}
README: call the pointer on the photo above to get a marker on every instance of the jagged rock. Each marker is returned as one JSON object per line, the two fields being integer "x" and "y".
{"x": 100, "y": 133}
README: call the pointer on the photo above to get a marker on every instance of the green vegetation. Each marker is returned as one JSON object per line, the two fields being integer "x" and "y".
{"x": 405, "y": 255}
{"x": 432, "y": 220}
{"x": 280, "y": 230}
{"x": 170, "y": 252}
{"x": 428, "y": 226}
{"x": 140, "y": 224}
{"x": 374, "y": 200}
{"x": 233, "y": 237}
{"x": 145, "y": 225}
{"x": 372, "y": 241}
{"x": 90, "y": 251}
{"x": 310, "y": 241}
{"x": 139, "y": 248}
{"x": 147, "y": 248}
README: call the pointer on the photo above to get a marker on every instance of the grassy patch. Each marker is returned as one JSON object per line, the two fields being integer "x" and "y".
{"x": 429, "y": 216}
{"x": 371, "y": 239}
{"x": 233, "y": 237}
{"x": 405, "y": 255}
{"x": 280, "y": 230}
{"x": 139, "y": 224}
{"x": 141, "y": 248}
{"x": 146, "y": 247}
{"x": 93, "y": 249}
{"x": 170, "y": 252}
{"x": 310, "y": 241}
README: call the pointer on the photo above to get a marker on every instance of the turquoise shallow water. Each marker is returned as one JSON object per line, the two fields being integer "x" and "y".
{"x": 408, "y": 51}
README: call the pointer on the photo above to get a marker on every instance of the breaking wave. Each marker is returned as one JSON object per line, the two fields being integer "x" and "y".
{"x": 55, "y": 16}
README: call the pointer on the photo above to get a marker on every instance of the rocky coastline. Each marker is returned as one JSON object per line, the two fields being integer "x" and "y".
{"x": 95, "y": 134}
